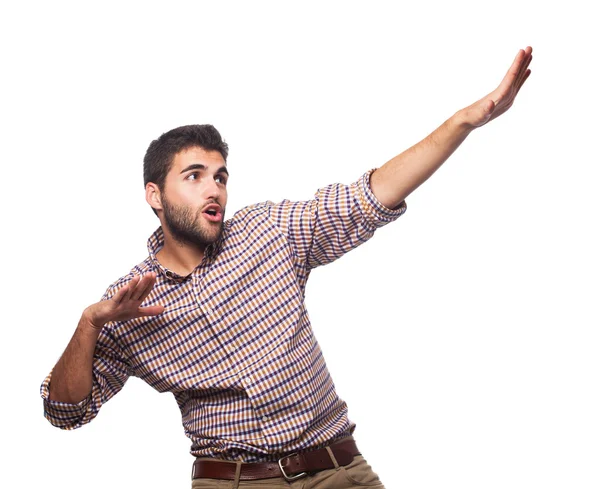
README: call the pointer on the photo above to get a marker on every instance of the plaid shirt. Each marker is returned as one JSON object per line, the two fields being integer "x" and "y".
{"x": 234, "y": 344}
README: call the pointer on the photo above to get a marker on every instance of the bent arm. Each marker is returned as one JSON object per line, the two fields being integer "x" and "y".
{"x": 78, "y": 386}
{"x": 400, "y": 176}
{"x": 72, "y": 375}
{"x": 93, "y": 368}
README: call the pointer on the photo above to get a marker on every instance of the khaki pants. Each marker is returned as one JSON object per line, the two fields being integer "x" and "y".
{"x": 357, "y": 474}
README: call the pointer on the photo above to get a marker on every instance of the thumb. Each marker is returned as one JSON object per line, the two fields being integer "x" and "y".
{"x": 151, "y": 310}
{"x": 488, "y": 107}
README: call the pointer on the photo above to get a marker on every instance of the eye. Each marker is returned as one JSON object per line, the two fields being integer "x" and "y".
{"x": 193, "y": 174}
{"x": 222, "y": 179}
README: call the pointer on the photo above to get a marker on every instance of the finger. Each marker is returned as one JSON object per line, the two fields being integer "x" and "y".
{"x": 515, "y": 67}
{"x": 150, "y": 310}
{"x": 514, "y": 71}
{"x": 527, "y": 73}
{"x": 131, "y": 287}
{"x": 118, "y": 297}
{"x": 149, "y": 286}
{"x": 145, "y": 286}
{"x": 137, "y": 294}
{"x": 524, "y": 72}
{"x": 526, "y": 60}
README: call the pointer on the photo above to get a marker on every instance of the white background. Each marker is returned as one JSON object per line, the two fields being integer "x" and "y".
{"x": 464, "y": 337}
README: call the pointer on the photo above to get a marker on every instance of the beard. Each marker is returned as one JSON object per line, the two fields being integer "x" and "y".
{"x": 186, "y": 225}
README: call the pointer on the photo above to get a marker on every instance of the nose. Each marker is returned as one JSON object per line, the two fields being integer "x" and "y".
{"x": 213, "y": 191}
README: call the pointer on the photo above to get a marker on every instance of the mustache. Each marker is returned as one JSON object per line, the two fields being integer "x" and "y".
{"x": 212, "y": 202}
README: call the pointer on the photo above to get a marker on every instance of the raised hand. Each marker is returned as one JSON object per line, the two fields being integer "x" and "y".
{"x": 125, "y": 304}
{"x": 502, "y": 98}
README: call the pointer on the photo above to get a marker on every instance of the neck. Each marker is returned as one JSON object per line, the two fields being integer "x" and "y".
{"x": 181, "y": 258}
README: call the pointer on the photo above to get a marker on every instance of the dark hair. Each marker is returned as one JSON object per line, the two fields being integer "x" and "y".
{"x": 161, "y": 152}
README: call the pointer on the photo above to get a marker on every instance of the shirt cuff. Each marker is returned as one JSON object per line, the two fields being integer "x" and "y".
{"x": 62, "y": 414}
{"x": 375, "y": 212}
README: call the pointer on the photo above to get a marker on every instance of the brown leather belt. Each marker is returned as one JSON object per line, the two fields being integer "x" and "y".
{"x": 290, "y": 467}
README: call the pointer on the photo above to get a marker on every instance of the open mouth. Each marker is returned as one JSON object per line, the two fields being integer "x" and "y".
{"x": 213, "y": 212}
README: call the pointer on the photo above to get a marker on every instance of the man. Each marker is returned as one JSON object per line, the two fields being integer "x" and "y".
{"x": 216, "y": 313}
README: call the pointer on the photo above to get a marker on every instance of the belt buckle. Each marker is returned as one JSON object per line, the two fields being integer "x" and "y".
{"x": 290, "y": 477}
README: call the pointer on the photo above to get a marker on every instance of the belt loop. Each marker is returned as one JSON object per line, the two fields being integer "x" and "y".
{"x": 238, "y": 470}
{"x": 332, "y": 456}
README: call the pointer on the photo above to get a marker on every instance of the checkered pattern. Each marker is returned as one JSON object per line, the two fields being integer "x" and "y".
{"x": 235, "y": 344}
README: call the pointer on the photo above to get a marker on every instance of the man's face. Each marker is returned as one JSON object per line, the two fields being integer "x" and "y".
{"x": 195, "y": 196}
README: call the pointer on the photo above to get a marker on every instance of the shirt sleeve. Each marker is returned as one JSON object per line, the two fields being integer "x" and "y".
{"x": 337, "y": 220}
{"x": 110, "y": 371}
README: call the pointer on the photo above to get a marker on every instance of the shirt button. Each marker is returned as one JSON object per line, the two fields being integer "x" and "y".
{"x": 248, "y": 380}
{"x": 209, "y": 311}
{"x": 265, "y": 418}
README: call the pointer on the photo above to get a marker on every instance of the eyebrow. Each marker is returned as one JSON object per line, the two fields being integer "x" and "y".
{"x": 198, "y": 166}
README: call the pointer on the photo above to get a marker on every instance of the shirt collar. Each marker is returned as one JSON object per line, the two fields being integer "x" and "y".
{"x": 157, "y": 241}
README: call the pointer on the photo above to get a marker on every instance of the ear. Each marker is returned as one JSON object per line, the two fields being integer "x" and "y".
{"x": 153, "y": 196}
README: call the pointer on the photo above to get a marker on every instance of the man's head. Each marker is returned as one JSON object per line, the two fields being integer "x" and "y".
{"x": 185, "y": 176}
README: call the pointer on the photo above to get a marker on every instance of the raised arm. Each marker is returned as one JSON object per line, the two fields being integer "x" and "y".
{"x": 395, "y": 180}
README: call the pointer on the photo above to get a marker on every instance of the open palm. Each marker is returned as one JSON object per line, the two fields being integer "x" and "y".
{"x": 125, "y": 304}
{"x": 502, "y": 98}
